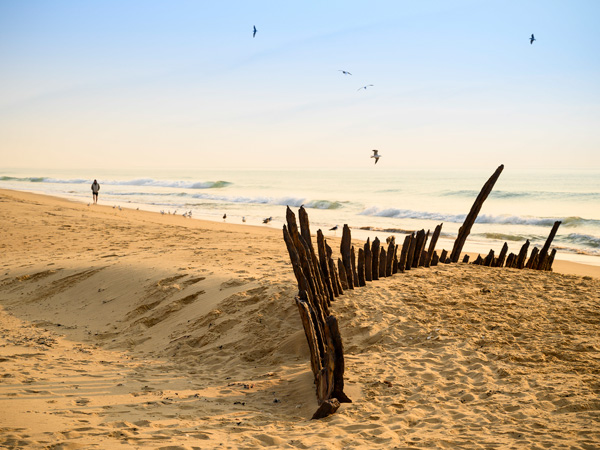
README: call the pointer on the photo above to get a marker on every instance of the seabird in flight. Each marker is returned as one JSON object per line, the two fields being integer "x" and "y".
{"x": 376, "y": 155}
{"x": 531, "y": 39}
{"x": 364, "y": 87}
{"x": 254, "y": 32}
{"x": 345, "y": 72}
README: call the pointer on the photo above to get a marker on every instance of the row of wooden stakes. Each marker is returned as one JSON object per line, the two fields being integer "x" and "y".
{"x": 320, "y": 280}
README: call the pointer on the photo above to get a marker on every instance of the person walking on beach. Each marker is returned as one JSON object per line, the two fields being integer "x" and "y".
{"x": 95, "y": 189}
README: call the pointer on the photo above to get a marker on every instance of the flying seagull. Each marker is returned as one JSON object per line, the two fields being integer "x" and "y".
{"x": 254, "y": 32}
{"x": 376, "y": 155}
{"x": 345, "y": 72}
{"x": 364, "y": 87}
{"x": 531, "y": 39}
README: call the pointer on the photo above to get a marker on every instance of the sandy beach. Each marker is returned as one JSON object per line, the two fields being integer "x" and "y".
{"x": 132, "y": 329}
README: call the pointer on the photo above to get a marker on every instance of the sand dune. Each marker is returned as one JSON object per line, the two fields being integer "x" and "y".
{"x": 128, "y": 329}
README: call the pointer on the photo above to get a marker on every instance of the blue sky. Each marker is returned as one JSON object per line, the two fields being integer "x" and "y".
{"x": 183, "y": 84}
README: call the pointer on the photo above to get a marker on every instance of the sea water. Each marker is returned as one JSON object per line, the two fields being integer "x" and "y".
{"x": 524, "y": 204}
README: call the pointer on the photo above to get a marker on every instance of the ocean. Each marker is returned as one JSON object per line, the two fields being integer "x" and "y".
{"x": 374, "y": 202}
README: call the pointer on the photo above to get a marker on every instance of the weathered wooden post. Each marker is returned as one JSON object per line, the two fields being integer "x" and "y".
{"x": 368, "y": 261}
{"x": 418, "y": 245}
{"x": 343, "y": 275}
{"x": 375, "y": 248}
{"x": 410, "y": 256}
{"x": 435, "y": 259}
{"x": 510, "y": 260}
{"x": 390, "y": 257}
{"x": 522, "y": 255}
{"x": 404, "y": 253}
{"x": 489, "y": 259}
{"x": 542, "y": 260}
{"x": 382, "y": 262}
{"x": 443, "y": 256}
{"x": 336, "y": 278}
{"x": 465, "y": 229}
{"x": 361, "y": 267}
{"x": 347, "y": 256}
{"x": 434, "y": 239}
{"x": 550, "y": 260}
{"x": 502, "y": 256}
{"x": 324, "y": 263}
{"x": 395, "y": 260}
{"x": 533, "y": 258}
{"x": 353, "y": 264}
{"x": 422, "y": 251}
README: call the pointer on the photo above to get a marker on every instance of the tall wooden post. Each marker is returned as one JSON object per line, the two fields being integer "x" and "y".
{"x": 543, "y": 258}
{"x": 465, "y": 229}
{"x": 345, "y": 250}
{"x": 432, "y": 243}
{"x": 522, "y": 255}
{"x": 368, "y": 261}
{"x": 375, "y": 248}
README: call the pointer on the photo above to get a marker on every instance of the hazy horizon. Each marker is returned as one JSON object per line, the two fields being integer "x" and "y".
{"x": 184, "y": 85}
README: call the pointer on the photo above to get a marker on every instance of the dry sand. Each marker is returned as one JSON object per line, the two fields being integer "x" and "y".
{"x": 128, "y": 329}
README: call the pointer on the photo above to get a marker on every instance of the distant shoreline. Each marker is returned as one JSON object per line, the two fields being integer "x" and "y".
{"x": 559, "y": 266}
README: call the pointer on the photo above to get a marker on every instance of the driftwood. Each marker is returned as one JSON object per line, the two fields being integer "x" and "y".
{"x": 432, "y": 243}
{"x": 327, "y": 408}
{"x": 368, "y": 261}
{"x": 465, "y": 229}
{"x": 375, "y": 248}
{"x": 543, "y": 258}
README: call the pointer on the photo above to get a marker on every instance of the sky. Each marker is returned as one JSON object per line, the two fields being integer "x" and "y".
{"x": 183, "y": 84}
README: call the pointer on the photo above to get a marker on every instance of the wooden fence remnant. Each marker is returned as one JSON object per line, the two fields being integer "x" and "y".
{"x": 435, "y": 259}
{"x": 361, "y": 267}
{"x": 368, "y": 261}
{"x": 466, "y": 259}
{"x": 489, "y": 259}
{"x": 432, "y": 244}
{"x": 343, "y": 276}
{"x": 533, "y": 258}
{"x": 404, "y": 253}
{"x": 522, "y": 255}
{"x": 465, "y": 229}
{"x": 410, "y": 256}
{"x": 375, "y": 248}
{"x": 345, "y": 250}
{"x": 443, "y": 256}
{"x": 543, "y": 257}
{"x": 502, "y": 256}
{"x": 382, "y": 262}
{"x": 390, "y": 257}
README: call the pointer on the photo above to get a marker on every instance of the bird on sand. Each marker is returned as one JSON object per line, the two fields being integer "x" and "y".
{"x": 224, "y": 216}
{"x": 254, "y": 32}
{"x": 267, "y": 220}
{"x": 345, "y": 72}
{"x": 376, "y": 155}
{"x": 531, "y": 39}
{"x": 364, "y": 87}
{"x": 244, "y": 219}
{"x": 334, "y": 228}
